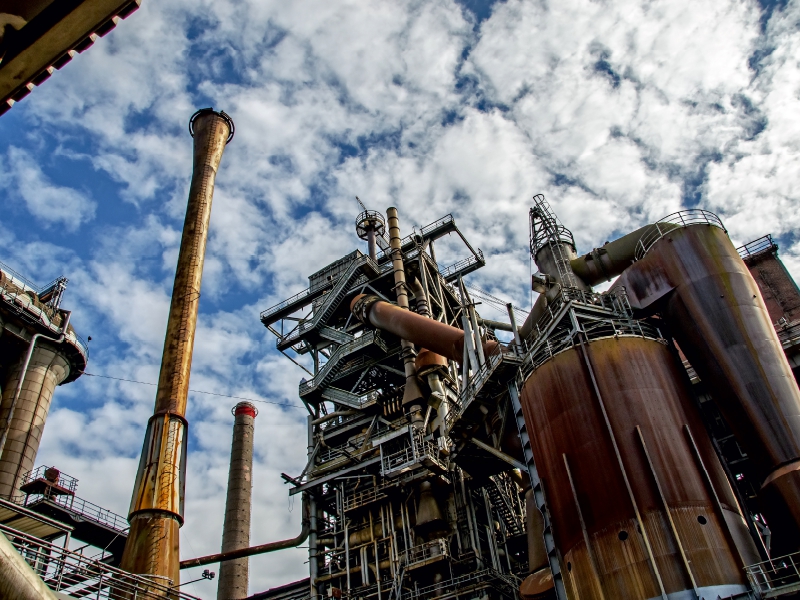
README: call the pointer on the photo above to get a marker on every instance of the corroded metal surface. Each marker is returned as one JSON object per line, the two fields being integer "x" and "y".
{"x": 696, "y": 278}
{"x": 411, "y": 393}
{"x": 157, "y": 503}
{"x": 443, "y": 339}
{"x": 637, "y": 383}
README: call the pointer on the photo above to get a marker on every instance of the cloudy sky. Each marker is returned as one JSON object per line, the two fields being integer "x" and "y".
{"x": 619, "y": 111}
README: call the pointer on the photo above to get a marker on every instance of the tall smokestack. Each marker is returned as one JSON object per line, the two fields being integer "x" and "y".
{"x": 233, "y": 574}
{"x": 156, "y": 512}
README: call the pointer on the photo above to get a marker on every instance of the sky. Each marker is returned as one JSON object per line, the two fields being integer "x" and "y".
{"x": 619, "y": 111}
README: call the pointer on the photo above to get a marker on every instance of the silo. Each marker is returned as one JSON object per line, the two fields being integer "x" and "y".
{"x": 689, "y": 270}
{"x": 640, "y": 505}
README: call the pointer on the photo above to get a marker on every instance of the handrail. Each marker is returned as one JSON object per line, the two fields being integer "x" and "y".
{"x": 79, "y": 576}
{"x": 84, "y": 508}
{"x": 682, "y": 218}
{"x": 775, "y": 574}
{"x": 757, "y": 246}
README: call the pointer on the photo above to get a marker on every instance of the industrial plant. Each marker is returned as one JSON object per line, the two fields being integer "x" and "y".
{"x": 636, "y": 443}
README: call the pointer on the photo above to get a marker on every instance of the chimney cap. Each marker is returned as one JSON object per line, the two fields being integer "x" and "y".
{"x": 244, "y": 408}
{"x": 222, "y": 114}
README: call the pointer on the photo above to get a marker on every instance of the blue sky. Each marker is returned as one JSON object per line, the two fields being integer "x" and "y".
{"x": 620, "y": 112}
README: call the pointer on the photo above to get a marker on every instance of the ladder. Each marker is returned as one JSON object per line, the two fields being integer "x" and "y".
{"x": 538, "y": 493}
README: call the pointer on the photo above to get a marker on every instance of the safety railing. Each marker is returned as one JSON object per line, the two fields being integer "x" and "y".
{"x": 683, "y": 218}
{"x": 51, "y": 475}
{"x": 789, "y": 335}
{"x": 435, "y": 549}
{"x": 418, "y": 452}
{"x": 777, "y": 576}
{"x": 593, "y": 330}
{"x": 266, "y": 314}
{"x": 757, "y": 246}
{"x": 448, "y": 273}
{"x": 84, "y": 508}
{"x": 20, "y": 301}
{"x": 79, "y": 576}
{"x": 474, "y": 581}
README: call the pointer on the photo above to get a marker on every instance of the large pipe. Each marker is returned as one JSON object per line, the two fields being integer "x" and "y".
{"x": 612, "y": 258}
{"x": 233, "y": 574}
{"x": 435, "y": 336}
{"x": 156, "y": 511}
{"x": 51, "y": 369}
{"x": 411, "y": 393}
{"x": 17, "y": 579}
{"x": 694, "y": 277}
{"x": 260, "y": 549}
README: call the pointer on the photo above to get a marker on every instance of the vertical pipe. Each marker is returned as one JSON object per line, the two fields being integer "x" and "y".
{"x": 233, "y": 574}
{"x": 313, "y": 563}
{"x": 371, "y": 246}
{"x": 156, "y": 511}
{"x": 517, "y": 339}
{"x": 412, "y": 393}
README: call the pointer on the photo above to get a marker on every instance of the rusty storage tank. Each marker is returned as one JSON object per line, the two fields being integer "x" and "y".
{"x": 689, "y": 270}
{"x": 640, "y": 505}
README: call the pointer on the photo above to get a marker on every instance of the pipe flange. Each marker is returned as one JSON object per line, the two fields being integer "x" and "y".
{"x": 222, "y": 114}
{"x": 362, "y": 307}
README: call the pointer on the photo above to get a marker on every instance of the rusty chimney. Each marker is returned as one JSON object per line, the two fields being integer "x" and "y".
{"x": 233, "y": 574}
{"x": 156, "y": 511}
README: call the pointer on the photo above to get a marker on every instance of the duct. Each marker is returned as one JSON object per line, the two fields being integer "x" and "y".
{"x": 435, "y": 336}
{"x": 489, "y": 324}
{"x": 156, "y": 511}
{"x": 333, "y": 415}
{"x": 411, "y": 393}
{"x": 538, "y": 309}
{"x": 233, "y": 574}
{"x": 695, "y": 278}
{"x": 612, "y": 258}
{"x": 260, "y": 549}
{"x": 17, "y": 579}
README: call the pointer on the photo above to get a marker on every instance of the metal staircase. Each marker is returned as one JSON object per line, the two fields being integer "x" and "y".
{"x": 500, "y": 501}
{"x": 538, "y": 493}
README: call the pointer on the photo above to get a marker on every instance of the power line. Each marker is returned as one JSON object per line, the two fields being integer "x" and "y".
{"x": 196, "y": 391}
{"x": 499, "y": 302}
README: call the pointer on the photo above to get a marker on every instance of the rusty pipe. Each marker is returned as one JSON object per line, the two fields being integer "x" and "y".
{"x": 156, "y": 510}
{"x": 411, "y": 393}
{"x": 437, "y": 337}
{"x": 260, "y": 549}
{"x": 421, "y": 298}
{"x": 612, "y": 258}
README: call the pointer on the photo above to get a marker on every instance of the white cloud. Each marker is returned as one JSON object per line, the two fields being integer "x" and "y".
{"x": 50, "y": 203}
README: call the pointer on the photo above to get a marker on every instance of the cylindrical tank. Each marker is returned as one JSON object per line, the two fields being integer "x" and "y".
{"x": 614, "y": 433}
{"x": 47, "y": 368}
{"x": 695, "y": 277}
{"x": 233, "y": 574}
{"x": 156, "y": 511}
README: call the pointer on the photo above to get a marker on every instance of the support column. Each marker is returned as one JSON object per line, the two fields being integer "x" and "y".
{"x": 233, "y": 574}
{"x": 46, "y": 370}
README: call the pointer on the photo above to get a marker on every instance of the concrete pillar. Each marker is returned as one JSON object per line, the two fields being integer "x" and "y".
{"x": 46, "y": 370}
{"x": 233, "y": 574}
